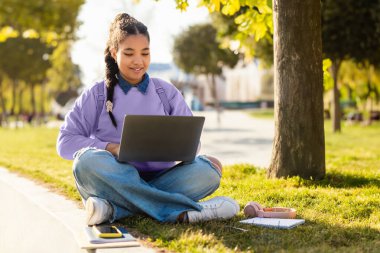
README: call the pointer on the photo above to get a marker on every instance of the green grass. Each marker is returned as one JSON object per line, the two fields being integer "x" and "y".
{"x": 262, "y": 113}
{"x": 31, "y": 152}
{"x": 342, "y": 211}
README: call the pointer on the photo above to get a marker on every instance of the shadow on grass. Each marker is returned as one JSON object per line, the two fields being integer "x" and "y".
{"x": 225, "y": 236}
{"x": 339, "y": 180}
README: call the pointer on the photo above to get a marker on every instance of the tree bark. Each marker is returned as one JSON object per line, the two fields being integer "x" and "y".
{"x": 371, "y": 89}
{"x": 336, "y": 111}
{"x": 41, "y": 118}
{"x": 20, "y": 102}
{"x": 4, "y": 116}
{"x": 32, "y": 99}
{"x": 14, "y": 95}
{"x": 299, "y": 143}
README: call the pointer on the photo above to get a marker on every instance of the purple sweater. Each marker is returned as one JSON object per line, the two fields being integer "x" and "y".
{"x": 77, "y": 130}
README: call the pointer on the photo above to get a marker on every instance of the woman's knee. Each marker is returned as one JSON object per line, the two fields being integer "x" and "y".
{"x": 208, "y": 181}
{"x": 210, "y": 175}
{"x": 87, "y": 160}
{"x": 98, "y": 163}
{"x": 216, "y": 163}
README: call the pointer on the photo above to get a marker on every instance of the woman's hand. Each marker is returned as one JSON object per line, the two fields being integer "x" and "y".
{"x": 113, "y": 148}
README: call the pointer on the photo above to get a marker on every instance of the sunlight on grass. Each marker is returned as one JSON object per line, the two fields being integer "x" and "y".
{"x": 262, "y": 113}
{"x": 341, "y": 211}
{"x": 31, "y": 152}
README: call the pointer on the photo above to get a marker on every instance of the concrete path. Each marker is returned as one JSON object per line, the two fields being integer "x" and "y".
{"x": 237, "y": 138}
{"x": 33, "y": 219}
{"x": 25, "y": 227}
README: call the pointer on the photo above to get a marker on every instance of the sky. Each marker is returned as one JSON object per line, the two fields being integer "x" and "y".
{"x": 161, "y": 17}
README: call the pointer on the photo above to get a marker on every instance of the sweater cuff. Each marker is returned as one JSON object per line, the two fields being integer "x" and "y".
{"x": 101, "y": 145}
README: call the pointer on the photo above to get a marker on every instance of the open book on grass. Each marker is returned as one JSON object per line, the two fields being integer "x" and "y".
{"x": 274, "y": 222}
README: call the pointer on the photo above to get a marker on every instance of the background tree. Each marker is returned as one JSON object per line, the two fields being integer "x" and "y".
{"x": 360, "y": 85}
{"x": 230, "y": 37}
{"x": 350, "y": 29}
{"x": 48, "y": 18}
{"x": 299, "y": 139}
{"x": 64, "y": 76}
{"x": 24, "y": 60}
{"x": 3, "y": 116}
{"x": 52, "y": 23}
{"x": 299, "y": 147}
{"x": 196, "y": 51}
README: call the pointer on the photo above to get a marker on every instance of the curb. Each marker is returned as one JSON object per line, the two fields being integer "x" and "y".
{"x": 63, "y": 210}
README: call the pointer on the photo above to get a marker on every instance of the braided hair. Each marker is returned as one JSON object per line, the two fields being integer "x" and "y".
{"x": 122, "y": 26}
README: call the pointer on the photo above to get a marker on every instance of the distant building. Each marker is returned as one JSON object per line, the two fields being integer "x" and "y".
{"x": 243, "y": 86}
{"x": 246, "y": 85}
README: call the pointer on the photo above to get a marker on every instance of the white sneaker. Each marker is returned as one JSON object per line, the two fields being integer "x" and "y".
{"x": 98, "y": 210}
{"x": 215, "y": 208}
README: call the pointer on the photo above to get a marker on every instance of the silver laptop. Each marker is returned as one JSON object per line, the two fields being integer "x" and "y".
{"x": 160, "y": 138}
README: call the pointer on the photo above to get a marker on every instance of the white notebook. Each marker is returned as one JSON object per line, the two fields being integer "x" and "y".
{"x": 274, "y": 222}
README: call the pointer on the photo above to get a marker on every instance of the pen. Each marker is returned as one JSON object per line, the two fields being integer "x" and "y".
{"x": 240, "y": 229}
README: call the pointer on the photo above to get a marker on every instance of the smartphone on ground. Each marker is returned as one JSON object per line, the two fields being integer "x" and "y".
{"x": 107, "y": 231}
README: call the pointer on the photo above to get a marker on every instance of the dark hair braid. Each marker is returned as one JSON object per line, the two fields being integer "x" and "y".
{"x": 122, "y": 26}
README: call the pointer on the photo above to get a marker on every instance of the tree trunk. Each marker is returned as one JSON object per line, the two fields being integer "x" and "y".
{"x": 299, "y": 143}
{"x": 336, "y": 112}
{"x": 32, "y": 114}
{"x": 370, "y": 90}
{"x": 14, "y": 93}
{"x": 20, "y": 114}
{"x": 4, "y": 116}
{"x": 20, "y": 102}
{"x": 32, "y": 99}
{"x": 41, "y": 119}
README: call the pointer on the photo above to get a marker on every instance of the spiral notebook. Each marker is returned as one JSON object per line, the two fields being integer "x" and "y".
{"x": 274, "y": 222}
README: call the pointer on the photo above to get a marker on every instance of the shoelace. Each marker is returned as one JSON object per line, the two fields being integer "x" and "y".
{"x": 209, "y": 211}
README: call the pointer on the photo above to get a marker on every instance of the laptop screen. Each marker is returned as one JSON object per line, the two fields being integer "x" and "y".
{"x": 160, "y": 138}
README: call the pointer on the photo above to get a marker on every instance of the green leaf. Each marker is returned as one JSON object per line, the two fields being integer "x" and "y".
{"x": 182, "y": 5}
{"x": 231, "y": 7}
{"x": 327, "y": 79}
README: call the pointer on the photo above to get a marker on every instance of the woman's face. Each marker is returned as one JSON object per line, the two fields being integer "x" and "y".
{"x": 133, "y": 57}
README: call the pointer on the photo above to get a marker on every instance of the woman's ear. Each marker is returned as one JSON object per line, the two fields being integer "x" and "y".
{"x": 113, "y": 54}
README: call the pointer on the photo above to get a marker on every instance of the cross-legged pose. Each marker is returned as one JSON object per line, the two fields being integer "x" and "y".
{"x": 166, "y": 191}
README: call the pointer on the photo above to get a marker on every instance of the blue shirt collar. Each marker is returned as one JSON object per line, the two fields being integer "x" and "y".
{"x": 141, "y": 86}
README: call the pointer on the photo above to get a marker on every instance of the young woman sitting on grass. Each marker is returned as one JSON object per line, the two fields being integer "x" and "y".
{"x": 166, "y": 191}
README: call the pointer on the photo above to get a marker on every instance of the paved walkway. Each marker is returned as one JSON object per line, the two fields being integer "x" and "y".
{"x": 237, "y": 138}
{"x": 32, "y": 219}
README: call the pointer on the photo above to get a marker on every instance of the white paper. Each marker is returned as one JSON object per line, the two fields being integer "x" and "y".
{"x": 274, "y": 222}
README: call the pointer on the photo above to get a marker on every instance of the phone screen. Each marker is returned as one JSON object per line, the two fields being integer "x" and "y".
{"x": 107, "y": 229}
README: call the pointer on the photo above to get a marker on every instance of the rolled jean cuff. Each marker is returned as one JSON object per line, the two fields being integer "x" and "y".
{"x": 173, "y": 217}
{"x": 114, "y": 213}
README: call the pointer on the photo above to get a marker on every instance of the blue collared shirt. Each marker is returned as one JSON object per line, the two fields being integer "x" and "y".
{"x": 141, "y": 86}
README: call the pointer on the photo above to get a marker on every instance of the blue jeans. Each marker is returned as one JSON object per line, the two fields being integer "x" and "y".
{"x": 162, "y": 196}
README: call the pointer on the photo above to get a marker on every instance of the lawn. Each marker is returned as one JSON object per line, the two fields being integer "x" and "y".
{"x": 262, "y": 113}
{"x": 342, "y": 211}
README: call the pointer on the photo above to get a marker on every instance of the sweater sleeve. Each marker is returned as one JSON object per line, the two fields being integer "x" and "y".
{"x": 76, "y": 132}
